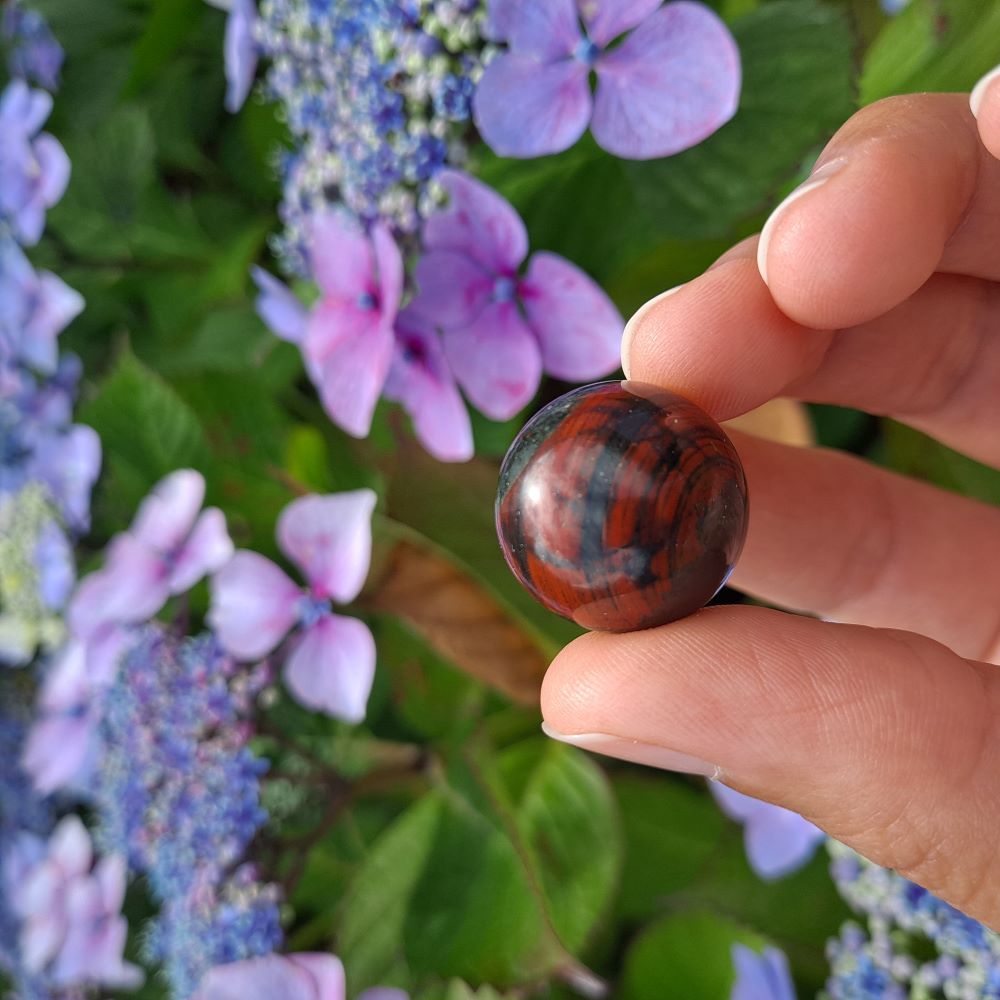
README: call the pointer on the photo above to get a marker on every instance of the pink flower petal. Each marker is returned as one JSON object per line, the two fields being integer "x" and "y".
{"x": 421, "y": 381}
{"x": 40, "y": 940}
{"x": 70, "y": 847}
{"x": 264, "y": 978}
{"x": 453, "y": 287}
{"x": 167, "y": 515}
{"x": 390, "y": 270}
{"x": 332, "y": 667}
{"x": 544, "y": 29}
{"x": 330, "y": 539}
{"x": 478, "y": 223}
{"x": 278, "y": 307}
{"x": 58, "y": 751}
{"x": 105, "y": 648}
{"x": 496, "y": 361}
{"x": 348, "y": 351}
{"x": 65, "y": 685}
{"x": 341, "y": 256}
{"x": 672, "y": 83}
{"x": 130, "y": 589}
{"x": 524, "y": 108}
{"x": 206, "y": 550}
{"x": 326, "y": 972}
{"x": 577, "y": 325}
{"x": 607, "y": 19}
{"x": 254, "y": 604}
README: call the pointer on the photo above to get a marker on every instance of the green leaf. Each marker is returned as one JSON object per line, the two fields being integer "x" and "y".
{"x": 147, "y": 431}
{"x": 933, "y": 45}
{"x": 684, "y": 957}
{"x": 915, "y": 454}
{"x": 165, "y": 30}
{"x": 672, "y": 830}
{"x": 511, "y": 854}
{"x": 112, "y": 171}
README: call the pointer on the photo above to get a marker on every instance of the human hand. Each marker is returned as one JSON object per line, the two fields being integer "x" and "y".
{"x": 883, "y": 727}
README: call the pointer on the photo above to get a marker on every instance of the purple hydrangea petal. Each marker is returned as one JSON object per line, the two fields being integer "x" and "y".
{"x": 23, "y": 107}
{"x": 761, "y": 977}
{"x": 421, "y": 381}
{"x": 524, "y": 108}
{"x": 479, "y": 223}
{"x": 348, "y": 351}
{"x": 57, "y": 753}
{"x": 69, "y": 464}
{"x": 70, "y": 847}
{"x": 389, "y": 262}
{"x": 330, "y": 539}
{"x": 384, "y": 993}
{"x": 453, "y": 287}
{"x": 577, "y": 325}
{"x": 326, "y": 972}
{"x": 54, "y": 563}
{"x": 278, "y": 307}
{"x": 54, "y": 166}
{"x": 672, "y": 83}
{"x": 207, "y": 549}
{"x": 734, "y": 804}
{"x": 341, "y": 257}
{"x": 545, "y": 30}
{"x": 275, "y": 976}
{"x": 240, "y": 53}
{"x": 779, "y": 842}
{"x": 254, "y": 604}
{"x": 130, "y": 588}
{"x": 496, "y": 361}
{"x": 332, "y": 667}
{"x": 607, "y": 19}
{"x": 56, "y": 305}
{"x": 166, "y": 516}
{"x": 500, "y": 17}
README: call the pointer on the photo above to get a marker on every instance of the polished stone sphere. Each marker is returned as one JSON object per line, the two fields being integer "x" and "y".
{"x": 622, "y": 506}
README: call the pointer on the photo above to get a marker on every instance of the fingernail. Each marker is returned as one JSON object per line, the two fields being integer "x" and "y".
{"x": 817, "y": 179}
{"x": 630, "y": 327}
{"x": 979, "y": 90}
{"x": 650, "y": 754}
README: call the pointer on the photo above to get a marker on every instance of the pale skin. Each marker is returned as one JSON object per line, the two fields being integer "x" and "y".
{"x": 882, "y": 723}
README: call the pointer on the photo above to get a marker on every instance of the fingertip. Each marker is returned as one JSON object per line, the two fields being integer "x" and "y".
{"x": 637, "y": 320}
{"x": 984, "y": 102}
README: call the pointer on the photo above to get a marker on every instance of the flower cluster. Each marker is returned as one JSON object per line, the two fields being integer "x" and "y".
{"x": 904, "y": 921}
{"x": 178, "y": 794}
{"x": 33, "y": 54}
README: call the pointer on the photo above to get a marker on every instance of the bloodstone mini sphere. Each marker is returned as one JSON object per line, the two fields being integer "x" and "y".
{"x": 622, "y": 506}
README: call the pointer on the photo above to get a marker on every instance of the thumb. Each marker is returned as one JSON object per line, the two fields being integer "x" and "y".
{"x": 885, "y": 739}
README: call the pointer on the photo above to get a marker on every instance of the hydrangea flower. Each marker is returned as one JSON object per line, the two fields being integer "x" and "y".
{"x": 33, "y": 54}
{"x": 71, "y": 923}
{"x": 62, "y": 746}
{"x": 292, "y": 977}
{"x": 34, "y": 168}
{"x": 347, "y": 337}
{"x": 168, "y": 549}
{"x": 671, "y": 83}
{"x": 241, "y": 53}
{"x": 778, "y": 841}
{"x": 502, "y": 328}
{"x": 35, "y": 307}
{"x": 763, "y": 976}
{"x": 420, "y": 380}
{"x": 331, "y": 661}
{"x": 913, "y": 944}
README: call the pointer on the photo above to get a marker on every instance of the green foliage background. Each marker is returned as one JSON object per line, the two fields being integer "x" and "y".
{"x": 445, "y": 846}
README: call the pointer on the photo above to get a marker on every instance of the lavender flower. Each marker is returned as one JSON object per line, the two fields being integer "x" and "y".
{"x": 502, "y": 329}
{"x": 34, "y": 168}
{"x": 35, "y": 307}
{"x": 295, "y": 977}
{"x": 71, "y": 926}
{"x": 888, "y": 958}
{"x": 671, "y": 83}
{"x": 33, "y": 53}
{"x": 331, "y": 663}
{"x": 168, "y": 549}
{"x": 778, "y": 841}
{"x": 241, "y": 52}
{"x": 762, "y": 976}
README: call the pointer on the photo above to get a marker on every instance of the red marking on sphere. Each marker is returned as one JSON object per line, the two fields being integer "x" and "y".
{"x": 622, "y": 506}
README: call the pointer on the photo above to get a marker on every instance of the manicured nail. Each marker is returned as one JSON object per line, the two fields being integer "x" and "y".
{"x": 816, "y": 179}
{"x": 634, "y": 322}
{"x": 979, "y": 90}
{"x": 650, "y": 754}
